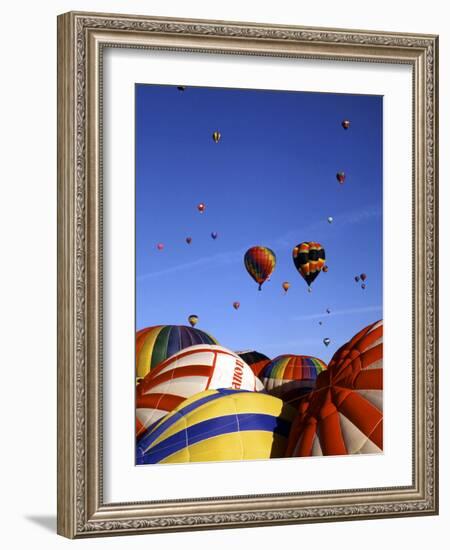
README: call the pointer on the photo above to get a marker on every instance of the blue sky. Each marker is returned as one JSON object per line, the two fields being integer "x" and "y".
{"x": 270, "y": 181}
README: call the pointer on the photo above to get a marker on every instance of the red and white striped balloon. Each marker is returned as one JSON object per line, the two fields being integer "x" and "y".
{"x": 190, "y": 371}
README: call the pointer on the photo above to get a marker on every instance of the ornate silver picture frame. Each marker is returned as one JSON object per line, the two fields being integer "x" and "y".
{"x": 82, "y": 40}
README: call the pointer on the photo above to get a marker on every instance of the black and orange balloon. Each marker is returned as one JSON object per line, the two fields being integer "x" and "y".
{"x": 236, "y": 305}
{"x": 309, "y": 259}
{"x": 286, "y": 285}
{"x": 260, "y": 263}
{"x": 325, "y": 268}
{"x": 340, "y": 176}
{"x": 216, "y": 136}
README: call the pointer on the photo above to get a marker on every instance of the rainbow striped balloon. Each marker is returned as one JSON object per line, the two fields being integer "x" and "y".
{"x": 155, "y": 344}
{"x": 222, "y": 424}
{"x": 291, "y": 377}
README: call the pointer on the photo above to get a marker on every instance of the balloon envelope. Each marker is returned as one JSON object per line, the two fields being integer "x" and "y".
{"x": 201, "y": 207}
{"x": 189, "y": 240}
{"x": 193, "y": 320}
{"x": 340, "y": 176}
{"x": 190, "y": 371}
{"x": 255, "y": 360}
{"x": 221, "y": 424}
{"x": 309, "y": 259}
{"x": 344, "y": 414}
{"x": 291, "y": 377}
{"x": 326, "y": 341}
{"x": 216, "y": 136}
{"x": 155, "y": 344}
{"x": 260, "y": 263}
{"x": 345, "y": 124}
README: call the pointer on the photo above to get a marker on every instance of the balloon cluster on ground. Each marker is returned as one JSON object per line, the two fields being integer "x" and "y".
{"x": 197, "y": 401}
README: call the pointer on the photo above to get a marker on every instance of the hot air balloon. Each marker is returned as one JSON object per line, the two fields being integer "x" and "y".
{"x": 236, "y": 305}
{"x": 326, "y": 341}
{"x": 344, "y": 414}
{"x": 193, "y": 320}
{"x": 345, "y": 124}
{"x": 340, "y": 176}
{"x": 260, "y": 263}
{"x": 216, "y": 136}
{"x": 286, "y": 285}
{"x": 309, "y": 259}
{"x": 221, "y": 424}
{"x": 325, "y": 268}
{"x": 330, "y": 219}
{"x": 363, "y": 286}
{"x": 363, "y": 277}
{"x": 328, "y": 310}
{"x": 155, "y": 344}
{"x": 190, "y": 371}
{"x": 189, "y": 240}
{"x": 160, "y": 246}
{"x": 255, "y": 360}
{"x": 181, "y": 88}
{"x": 201, "y": 207}
{"x": 357, "y": 278}
{"x": 320, "y": 322}
{"x": 214, "y": 235}
{"x": 291, "y": 377}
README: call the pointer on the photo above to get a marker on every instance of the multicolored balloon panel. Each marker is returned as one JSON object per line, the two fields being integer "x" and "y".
{"x": 309, "y": 259}
{"x": 155, "y": 344}
{"x": 291, "y": 377}
{"x": 260, "y": 263}
{"x": 190, "y": 371}
{"x": 344, "y": 414}
{"x": 220, "y": 424}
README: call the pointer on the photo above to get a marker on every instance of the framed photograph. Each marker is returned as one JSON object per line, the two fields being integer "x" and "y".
{"x": 247, "y": 282}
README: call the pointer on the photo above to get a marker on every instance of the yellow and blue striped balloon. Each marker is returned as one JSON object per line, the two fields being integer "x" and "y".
{"x": 222, "y": 424}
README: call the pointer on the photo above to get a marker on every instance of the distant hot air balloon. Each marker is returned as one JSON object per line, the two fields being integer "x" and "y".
{"x": 201, "y": 207}
{"x": 330, "y": 219}
{"x": 214, "y": 235}
{"x": 286, "y": 285}
{"x": 340, "y": 176}
{"x": 260, "y": 263}
{"x": 236, "y": 305}
{"x": 345, "y": 124}
{"x": 325, "y": 268}
{"x": 328, "y": 310}
{"x": 356, "y": 278}
{"x": 326, "y": 341}
{"x": 160, "y": 246}
{"x": 189, "y": 240}
{"x": 363, "y": 286}
{"x": 193, "y": 320}
{"x": 216, "y": 136}
{"x": 320, "y": 322}
{"x": 181, "y": 88}
{"x": 155, "y": 344}
{"x": 363, "y": 277}
{"x": 309, "y": 259}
